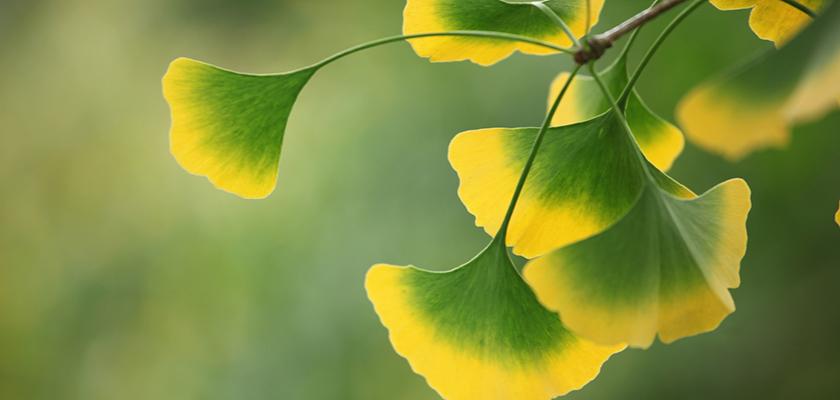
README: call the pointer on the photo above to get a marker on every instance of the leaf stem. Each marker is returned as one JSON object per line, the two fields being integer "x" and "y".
{"x": 480, "y": 34}
{"x": 622, "y": 119}
{"x": 801, "y": 7}
{"x": 559, "y": 21}
{"x": 654, "y": 47}
{"x": 533, "y": 155}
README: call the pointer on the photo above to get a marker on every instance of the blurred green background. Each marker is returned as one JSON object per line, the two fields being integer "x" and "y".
{"x": 123, "y": 277}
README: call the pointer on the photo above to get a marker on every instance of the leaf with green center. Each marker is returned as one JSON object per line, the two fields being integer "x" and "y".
{"x": 478, "y": 331}
{"x": 773, "y": 20}
{"x": 661, "y": 142}
{"x": 421, "y": 16}
{"x": 752, "y": 106}
{"x": 584, "y": 178}
{"x": 664, "y": 268}
{"x": 229, "y": 126}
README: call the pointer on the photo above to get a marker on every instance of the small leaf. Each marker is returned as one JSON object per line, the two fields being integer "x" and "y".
{"x": 837, "y": 216}
{"x": 664, "y": 268}
{"x": 584, "y": 178}
{"x": 773, "y": 20}
{"x": 423, "y": 16}
{"x": 229, "y": 126}
{"x": 478, "y": 332}
{"x": 752, "y": 106}
{"x": 661, "y": 142}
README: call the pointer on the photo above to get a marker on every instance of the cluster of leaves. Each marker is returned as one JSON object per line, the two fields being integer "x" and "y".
{"x": 618, "y": 251}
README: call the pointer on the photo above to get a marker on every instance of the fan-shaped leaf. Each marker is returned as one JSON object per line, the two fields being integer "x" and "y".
{"x": 422, "y": 16}
{"x": 664, "y": 268}
{"x": 229, "y": 126}
{"x": 478, "y": 332}
{"x": 751, "y": 107}
{"x": 773, "y": 20}
{"x": 584, "y": 178}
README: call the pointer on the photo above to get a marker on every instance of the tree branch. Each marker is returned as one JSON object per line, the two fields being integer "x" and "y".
{"x": 598, "y": 44}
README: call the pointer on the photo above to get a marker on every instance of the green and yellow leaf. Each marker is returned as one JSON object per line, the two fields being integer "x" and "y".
{"x": 478, "y": 331}
{"x": 585, "y": 177}
{"x": 665, "y": 268}
{"x": 425, "y": 16}
{"x": 753, "y": 106}
{"x": 661, "y": 142}
{"x": 229, "y": 126}
{"x": 773, "y": 20}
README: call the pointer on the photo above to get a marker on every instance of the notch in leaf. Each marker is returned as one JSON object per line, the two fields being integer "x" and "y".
{"x": 478, "y": 331}
{"x": 229, "y": 126}
{"x": 752, "y": 106}
{"x": 520, "y": 18}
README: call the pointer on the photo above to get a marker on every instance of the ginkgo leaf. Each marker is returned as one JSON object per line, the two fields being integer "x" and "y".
{"x": 422, "y": 16}
{"x": 773, "y": 20}
{"x": 665, "y": 268}
{"x": 229, "y": 126}
{"x": 584, "y": 178}
{"x": 478, "y": 331}
{"x": 661, "y": 141}
{"x": 752, "y": 106}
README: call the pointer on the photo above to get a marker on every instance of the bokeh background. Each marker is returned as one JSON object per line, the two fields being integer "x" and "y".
{"x": 123, "y": 277}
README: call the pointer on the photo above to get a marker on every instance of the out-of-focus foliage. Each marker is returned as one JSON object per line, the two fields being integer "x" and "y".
{"x": 123, "y": 277}
{"x": 752, "y": 106}
{"x": 773, "y": 20}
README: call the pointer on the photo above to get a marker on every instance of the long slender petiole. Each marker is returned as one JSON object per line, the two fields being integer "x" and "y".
{"x": 559, "y": 21}
{"x": 801, "y": 7}
{"x": 533, "y": 155}
{"x": 477, "y": 34}
{"x": 654, "y": 47}
{"x": 620, "y": 115}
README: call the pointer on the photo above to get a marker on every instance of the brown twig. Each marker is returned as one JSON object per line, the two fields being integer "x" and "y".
{"x": 598, "y": 44}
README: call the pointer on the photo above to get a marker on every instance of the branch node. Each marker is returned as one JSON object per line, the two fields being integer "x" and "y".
{"x": 595, "y": 48}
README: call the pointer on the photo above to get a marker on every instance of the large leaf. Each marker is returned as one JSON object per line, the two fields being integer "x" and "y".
{"x": 229, "y": 126}
{"x": 664, "y": 268}
{"x": 752, "y": 106}
{"x": 478, "y": 331}
{"x": 423, "y": 16}
{"x": 773, "y": 20}
{"x": 661, "y": 141}
{"x": 584, "y": 178}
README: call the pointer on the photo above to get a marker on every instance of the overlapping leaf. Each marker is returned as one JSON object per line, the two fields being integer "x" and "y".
{"x": 661, "y": 141}
{"x": 576, "y": 188}
{"x": 773, "y": 20}
{"x": 653, "y": 257}
{"x": 478, "y": 331}
{"x": 229, "y": 126}
{"x": 423, "y": 16}
{"x": 665, "y": 268}
{"x": 753, "y": 106}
